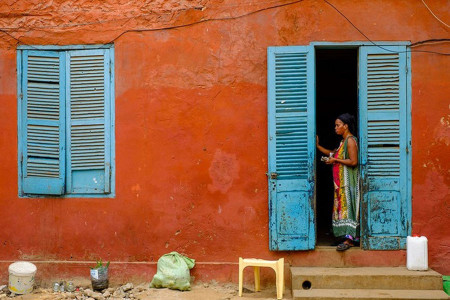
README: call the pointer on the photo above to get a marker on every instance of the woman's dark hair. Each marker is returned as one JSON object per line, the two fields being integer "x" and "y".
{"x": 349, "y": 120}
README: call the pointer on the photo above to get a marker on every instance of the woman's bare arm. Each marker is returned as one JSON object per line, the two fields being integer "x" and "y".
{"x": 322, "y": 149}
{"x": 352, "y": 161}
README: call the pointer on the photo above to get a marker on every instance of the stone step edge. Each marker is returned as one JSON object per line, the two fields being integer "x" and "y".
{"x": 368, "y": 294}
{"x": 398, "y": 282}
{"x": 361, "y": 271}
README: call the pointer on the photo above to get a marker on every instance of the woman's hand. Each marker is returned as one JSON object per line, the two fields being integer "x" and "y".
{"x": 322, "y": 149}
{"x": 330, "y": 161}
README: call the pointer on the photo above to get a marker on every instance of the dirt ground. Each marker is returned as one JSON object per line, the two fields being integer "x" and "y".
{"x": 199, "y": 291}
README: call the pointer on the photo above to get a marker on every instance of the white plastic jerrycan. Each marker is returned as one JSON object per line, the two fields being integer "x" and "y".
{"x": 417, "y": 253}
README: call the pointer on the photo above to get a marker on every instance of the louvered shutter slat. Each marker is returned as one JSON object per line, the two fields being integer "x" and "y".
{"x": 291, "y": 151}
{"x": 89, "y": 123}
{"x": 383, "y": 146}
{"x": 290, "y": 114}
{"x": 43, "y": 123}
{"x": 383, "y": 133}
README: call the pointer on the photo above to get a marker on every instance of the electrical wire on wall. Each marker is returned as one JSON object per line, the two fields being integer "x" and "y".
{"x": 207, "y": 20}
{"x": 136, "y": 16}
{"x": 10, "y": 35}
{"x": 434, "y": 14}
{"x": 388, "y": 50}
{"x": 151, "y": 29}
{"x": 430, "y": 41}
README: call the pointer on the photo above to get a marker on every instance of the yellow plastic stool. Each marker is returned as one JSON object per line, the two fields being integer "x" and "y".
{"x": 277, "y": 265}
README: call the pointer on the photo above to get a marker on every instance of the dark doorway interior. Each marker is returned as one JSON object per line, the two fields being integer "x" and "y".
{"x": 336, "y": 93}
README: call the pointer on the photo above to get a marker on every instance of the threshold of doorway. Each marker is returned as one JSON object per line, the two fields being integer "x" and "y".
{"x": 327, "y": 256}
{"x": 326, "y": 247}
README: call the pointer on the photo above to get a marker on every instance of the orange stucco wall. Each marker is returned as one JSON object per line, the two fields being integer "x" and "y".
{"x": 191, "y": 133}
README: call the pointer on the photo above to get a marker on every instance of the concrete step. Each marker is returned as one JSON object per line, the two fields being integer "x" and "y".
{"x": 382, "y": 278}
{"x": 327, "y": 256}
{"x": 329, "y": 294}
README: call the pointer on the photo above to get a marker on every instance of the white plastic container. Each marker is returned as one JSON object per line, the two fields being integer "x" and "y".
{"x": 21, "y": 277}
{"x": 417, "y": 253}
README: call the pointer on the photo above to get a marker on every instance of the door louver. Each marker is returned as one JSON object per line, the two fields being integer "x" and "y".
{"x": 44, "y": 155}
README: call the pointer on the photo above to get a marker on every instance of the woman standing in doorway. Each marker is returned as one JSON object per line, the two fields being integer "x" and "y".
{"x": 344, "y": 161}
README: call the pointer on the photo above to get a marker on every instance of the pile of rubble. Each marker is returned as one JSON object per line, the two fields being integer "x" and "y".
{"x": 3, "y": 291}
{"x": 126, "y": 291}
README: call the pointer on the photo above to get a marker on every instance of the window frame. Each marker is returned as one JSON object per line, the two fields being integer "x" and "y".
{"x": 20, "y": 50}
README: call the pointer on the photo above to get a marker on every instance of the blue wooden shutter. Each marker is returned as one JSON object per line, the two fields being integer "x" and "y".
{"x": 385, "y": 142}
{"x": 89, "y": 124}
{"x": 291, "y": 124}
{"x": 42, "y": 123}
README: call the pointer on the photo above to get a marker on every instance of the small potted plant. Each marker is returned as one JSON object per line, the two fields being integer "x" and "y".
{"x": 99, "y": 276}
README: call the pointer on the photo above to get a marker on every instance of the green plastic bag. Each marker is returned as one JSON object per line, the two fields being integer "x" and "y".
{"x": 446, "y": 282}
{"x": 173, "y": 272}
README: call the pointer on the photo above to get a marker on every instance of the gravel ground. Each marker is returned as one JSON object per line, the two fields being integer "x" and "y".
{"x": 199, "y": 291}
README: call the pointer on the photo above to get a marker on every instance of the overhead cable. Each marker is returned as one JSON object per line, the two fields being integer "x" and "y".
{"x": 375, "y": 44}
{"x": 431, "y": 12}
{"x": 251, "y": 13}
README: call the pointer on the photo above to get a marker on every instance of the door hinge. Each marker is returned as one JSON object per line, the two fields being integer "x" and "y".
{"x": 272, "y": 175}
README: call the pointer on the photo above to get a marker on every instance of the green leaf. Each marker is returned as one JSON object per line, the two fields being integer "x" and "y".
{"x": 100, "y": 265}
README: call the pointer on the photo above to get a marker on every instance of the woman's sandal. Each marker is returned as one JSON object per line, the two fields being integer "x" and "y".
{"x": 343, "y": 247}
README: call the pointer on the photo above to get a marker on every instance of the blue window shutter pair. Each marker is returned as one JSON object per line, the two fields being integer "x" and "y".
{"x": 384, "y": 147}
{"x": 65, "y": 122}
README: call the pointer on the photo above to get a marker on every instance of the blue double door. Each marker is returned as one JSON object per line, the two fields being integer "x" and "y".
{"x": 384, "y": 135}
